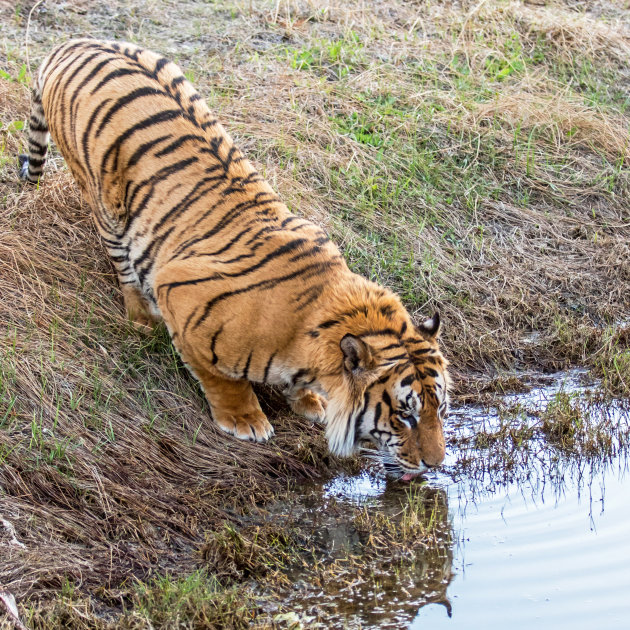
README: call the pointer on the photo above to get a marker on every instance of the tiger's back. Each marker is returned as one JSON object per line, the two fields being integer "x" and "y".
{"x": 199, "y": 239}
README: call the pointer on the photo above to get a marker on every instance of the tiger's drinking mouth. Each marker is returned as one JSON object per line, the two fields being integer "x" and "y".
{"x": 248, "y": 291}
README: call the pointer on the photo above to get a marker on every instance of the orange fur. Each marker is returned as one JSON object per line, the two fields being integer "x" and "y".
{"x": 248, "y": 291}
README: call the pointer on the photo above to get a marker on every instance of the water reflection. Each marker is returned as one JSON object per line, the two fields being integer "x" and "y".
{"x": 389, "y": 551}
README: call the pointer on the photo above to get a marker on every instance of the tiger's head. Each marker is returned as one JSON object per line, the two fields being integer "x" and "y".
{"x": 399, "y": 402}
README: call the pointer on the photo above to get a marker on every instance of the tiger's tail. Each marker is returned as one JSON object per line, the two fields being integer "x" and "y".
{"x": 32, "y": 165}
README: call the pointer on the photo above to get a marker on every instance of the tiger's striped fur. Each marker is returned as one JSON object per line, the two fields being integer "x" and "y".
{"x": 248, "y": 291}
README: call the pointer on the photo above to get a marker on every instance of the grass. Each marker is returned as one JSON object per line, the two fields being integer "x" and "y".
{"x": 571, "y": 427}
{"x": 422, "y": 522}
{"x": 472, "y": 158}
{"x": 194, "y": 601}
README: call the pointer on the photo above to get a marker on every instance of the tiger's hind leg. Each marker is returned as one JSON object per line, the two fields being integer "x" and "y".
{"x": 138, "y": 308}
{"x": 307, "y": 403}
{"x": 234, "y": 405}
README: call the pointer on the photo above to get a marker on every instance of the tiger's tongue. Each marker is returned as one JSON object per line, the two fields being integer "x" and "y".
{"x": 408, "y": 476}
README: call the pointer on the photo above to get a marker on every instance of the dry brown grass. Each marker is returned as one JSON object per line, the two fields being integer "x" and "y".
{"x": 110, "y": 466}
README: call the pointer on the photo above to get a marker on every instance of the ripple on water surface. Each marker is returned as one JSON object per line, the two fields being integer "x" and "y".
{"x": 554, "y": 561}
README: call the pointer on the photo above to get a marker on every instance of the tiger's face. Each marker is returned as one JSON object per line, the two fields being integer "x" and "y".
{"x": 404, "y": 407}
{"x": 403, "y": 417}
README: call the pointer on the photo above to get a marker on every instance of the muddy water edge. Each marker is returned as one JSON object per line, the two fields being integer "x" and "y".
{"x": 526, "y": 522}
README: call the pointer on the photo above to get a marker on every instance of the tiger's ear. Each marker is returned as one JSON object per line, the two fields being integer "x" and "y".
{"x": 357, "y": 355}
{"x": 430, "y": 327}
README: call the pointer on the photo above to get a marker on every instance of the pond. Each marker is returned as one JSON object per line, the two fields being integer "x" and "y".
{"x": 543, "y": 542}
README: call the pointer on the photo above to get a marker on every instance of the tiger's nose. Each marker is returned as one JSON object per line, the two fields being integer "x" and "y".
{"x": 433, "y": 463}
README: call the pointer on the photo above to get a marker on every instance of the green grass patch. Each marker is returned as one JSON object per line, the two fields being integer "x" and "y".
{"x": 196, "y": 601}
{"x": 332, "y": 58}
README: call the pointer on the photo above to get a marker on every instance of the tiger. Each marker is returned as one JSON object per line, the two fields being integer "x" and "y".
{"x": 249, "y": 292}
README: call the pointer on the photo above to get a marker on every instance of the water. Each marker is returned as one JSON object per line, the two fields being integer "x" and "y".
{"x": 546, "y": 546}
{"x": 528, "y": 557}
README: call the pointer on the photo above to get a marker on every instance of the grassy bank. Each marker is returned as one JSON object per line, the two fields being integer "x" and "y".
{"x": 471, "y": 156}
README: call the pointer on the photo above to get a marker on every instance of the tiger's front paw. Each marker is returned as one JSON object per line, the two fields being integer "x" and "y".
{"x": 143, "y": 322}
{"x": 310, "y": 405}
{"x": 252, "y": 426}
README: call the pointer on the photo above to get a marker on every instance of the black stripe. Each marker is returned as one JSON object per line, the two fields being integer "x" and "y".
{"x": 35, "y": 126}
{"x": 306, "y": 253}
{"x": 222, "y": 249}
{"x": 152, "y": 249}
{"x": 329, "y": 323}
{"x": 114, "y": 74}
{"x": 421, "y": 350}
{"x": 267, "y": 367}
{"x": 213, "y": 342}
{"x": 239, "y": 258}
{"x": 387, "y": 399}
{"x": 229, "y": 157}
{"x": 221, "y": 275}
{"x": 192, "y": 197}
{"x": 288, "y": 220}
{"x": 161, "y": 175}
{"x": 86, "y": 134}
{"x": 62, "y": 50}
{"x": 64, "y": 85}
{"x": 126, "y": 100}
{"x": 313, "y": 293}
{"x": 286, "y": 248}
{"x": 159, "y": 65}
{"x": 38, "y": 150}
{"x": 133, "y": 54}
{"x": 177, "y": 143}
{"x": 229, "y": 217}
{"x": 298, "y": 375}
{"x": 81, "y": 66}
{"x": 408, "y": 380}
{"x": 143, "y": 148}
{"x": 214, "y": 168}
{"x": 402, "y": 366}
{"x": 246, "y": 369}
{"x": 378, "y": 410}
{"x": 113, "y": 243}
{"x": 155, "y": 119}
{"x": 380, "y": 333}
{"x": 356, "y": 425}
{"x": 391, "y": 346}
{"x": 307, "y": 271}
{"x": 264, "y": 230}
